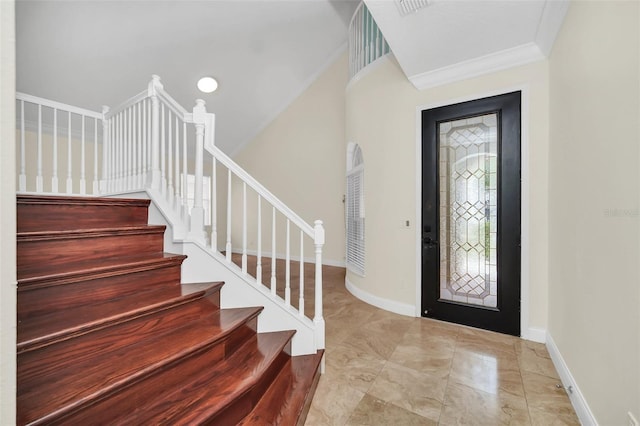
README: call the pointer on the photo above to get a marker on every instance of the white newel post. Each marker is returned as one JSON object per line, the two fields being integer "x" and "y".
{"x": 155, "y": 84}
{"x": 318, "y": 320}
{"x": 197, "y": 212}
{"x": 106, "y": 147}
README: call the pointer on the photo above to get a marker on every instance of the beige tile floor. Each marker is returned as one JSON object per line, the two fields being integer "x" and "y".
{"x": 388, "y": 369}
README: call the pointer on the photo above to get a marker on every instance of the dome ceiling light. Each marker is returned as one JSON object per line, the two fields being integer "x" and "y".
{"x": 207, "y": 84}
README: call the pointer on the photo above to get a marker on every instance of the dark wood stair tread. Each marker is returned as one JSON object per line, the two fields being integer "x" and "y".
{"x": 107, "y": 335}
{"x": 211, "y": 395}
{"x": 92, "y": 369}
{"x": 44, "y": 213}
{"x": 287, "y": 400}
{"x": 45, "y": 275}
{"x": 61, "y": 325}
{"x": 63, "y": 247}
{"x": 88, "y": 233}
{"x": 82, "y": 201}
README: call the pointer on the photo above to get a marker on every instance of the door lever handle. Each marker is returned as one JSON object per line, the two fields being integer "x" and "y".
{"x": 427, "y": 241}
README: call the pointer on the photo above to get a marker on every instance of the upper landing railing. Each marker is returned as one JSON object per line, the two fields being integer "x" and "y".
{"x": 152, "y": 143}
{"x": 366, "y": 42}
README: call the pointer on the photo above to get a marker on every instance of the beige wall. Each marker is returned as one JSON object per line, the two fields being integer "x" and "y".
{"x": 594, "y": 297}
{"x": 381, "y": 118}
{"x": 7, "y": 216}
{"x": 300, "y": 158}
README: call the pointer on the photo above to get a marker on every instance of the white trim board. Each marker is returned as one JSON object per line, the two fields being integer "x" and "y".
{"x": 576, "y": 397}
{"x": 379, "y": 302}
{"x": 527, "y": 332}
{"x": 369, "y": 69}
{"x": 493, "y": 62}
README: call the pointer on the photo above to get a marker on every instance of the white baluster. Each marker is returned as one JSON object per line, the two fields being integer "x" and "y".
{"x": 176, "y": 193}
{"x": 197, "y": 212}
{"x": 133, "y": 159}
{"x": 185, "y": 173}
{"x": 121, "y": 146}
{"x": 95, "y": 157}
{"x": 273, "y": 250}
{"x": 112, "y": 153}
{"x": 115, "y": 136}
{"x": 170, "y": 161}
{"x": 69, "y": 179}
{"x": 83, "y": 182}
{"x": 124, "y": 150}
{"x": 259, "y": 255}
{"x": 163, "y": 179}
{"x": 131, "y": 153}
{"x": 113, "y": 133}
{"x": 214, "y": 205}
{"x": 122, "y": 155}
{"x": 287, "y": 268}
{"x": 39, "y": 181}
{"x": 140, "y": 145}
{"x": 145, "y": 143}
{"x": 244, "y": 227}
{"x": 318, "y": 319}
{"x": 54, "y": 177}
{"x": 155, "y": 132}
{"x": 228, "y": 247}
{"x": 22, "y": 181}
{"x": 106, "y": 150}
{"x": 301, "y": 298}
{"x": 369, "y": 50}
{"x": 364, "y": 38}
{"x": 150, "y": 146}
{"x": 360, "y": 39}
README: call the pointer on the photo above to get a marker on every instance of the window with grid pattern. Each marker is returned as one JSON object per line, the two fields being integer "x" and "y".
{"x": 355, "y": 210}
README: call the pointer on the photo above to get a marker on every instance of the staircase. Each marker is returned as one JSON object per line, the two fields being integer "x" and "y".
{"x": 108, "y": 335}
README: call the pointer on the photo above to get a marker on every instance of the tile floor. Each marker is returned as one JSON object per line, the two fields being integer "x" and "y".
{"x": 388, "y": 369}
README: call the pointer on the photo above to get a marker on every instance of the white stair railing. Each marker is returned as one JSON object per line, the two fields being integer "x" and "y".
{"x": 152, "y": 143}
{"x": 58, "y": 143}
{"x": 366, "y": 42}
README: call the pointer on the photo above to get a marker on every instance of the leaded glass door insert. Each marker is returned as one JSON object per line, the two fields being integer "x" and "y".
{"x": 468, "y": 210}
{"x": 470, "y": 229}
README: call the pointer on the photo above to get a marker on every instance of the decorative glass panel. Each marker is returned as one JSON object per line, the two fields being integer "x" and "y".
{"x": 468, "y": 210}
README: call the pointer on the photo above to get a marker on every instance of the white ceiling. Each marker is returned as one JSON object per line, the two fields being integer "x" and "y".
{"x": 264, "y": 53}
{"x": 91, "y": 53}
{"x": 453, "y": 39}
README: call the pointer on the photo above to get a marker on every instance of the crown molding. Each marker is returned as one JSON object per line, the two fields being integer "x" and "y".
{"x": 487, "y": 64}
{"x": 550, "y": 24}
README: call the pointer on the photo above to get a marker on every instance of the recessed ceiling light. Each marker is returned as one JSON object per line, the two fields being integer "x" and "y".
{"x": 207, "y": 84}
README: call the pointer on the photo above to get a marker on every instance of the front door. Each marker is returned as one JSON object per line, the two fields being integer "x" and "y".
{"x": 471, "y": 213}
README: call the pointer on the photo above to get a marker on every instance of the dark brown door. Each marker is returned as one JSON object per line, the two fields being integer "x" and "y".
{"x": 471, "y": 213}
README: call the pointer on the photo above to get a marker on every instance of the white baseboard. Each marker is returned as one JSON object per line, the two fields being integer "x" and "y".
{"x": 578, "y": 401}
{"x": 535, "y": 334}
{"x": 307, "y": 259}
{"x": 379, "y": 302}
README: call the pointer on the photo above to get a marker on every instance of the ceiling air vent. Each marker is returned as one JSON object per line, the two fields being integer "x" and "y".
{"x": 407, "y": 7}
